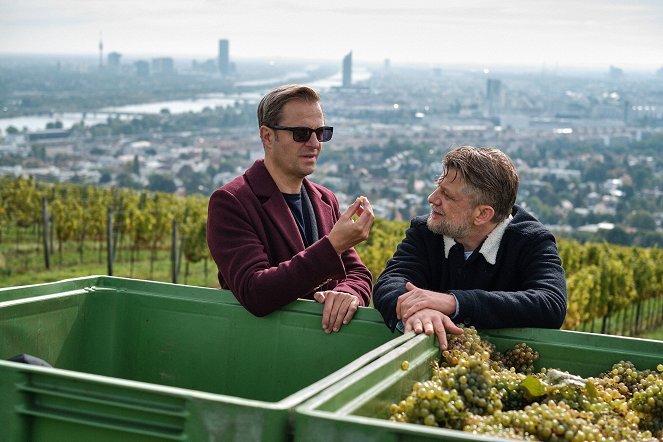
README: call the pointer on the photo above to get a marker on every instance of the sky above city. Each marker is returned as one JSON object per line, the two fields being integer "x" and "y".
{"x": 534, "y": 33}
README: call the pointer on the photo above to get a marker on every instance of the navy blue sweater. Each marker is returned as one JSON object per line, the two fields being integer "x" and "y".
{"x": 525, "y": 287}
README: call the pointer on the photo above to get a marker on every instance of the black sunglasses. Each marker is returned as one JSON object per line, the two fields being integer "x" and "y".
{"x": 303, "y": 134}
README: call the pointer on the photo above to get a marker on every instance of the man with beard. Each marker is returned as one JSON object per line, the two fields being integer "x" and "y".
{"x": 477, "y": 259}
{"x": 275, "y": 235}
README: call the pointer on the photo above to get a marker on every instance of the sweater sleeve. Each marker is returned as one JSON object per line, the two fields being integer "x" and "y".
{"x": 539, "y": 299}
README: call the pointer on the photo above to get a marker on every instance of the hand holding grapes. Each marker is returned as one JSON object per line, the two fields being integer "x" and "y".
{"x": 347, "y": 232}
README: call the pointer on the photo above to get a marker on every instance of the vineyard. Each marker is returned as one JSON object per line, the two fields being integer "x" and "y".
{"x": 55, "y": 231}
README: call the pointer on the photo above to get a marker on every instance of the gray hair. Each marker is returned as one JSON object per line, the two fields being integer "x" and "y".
{"x": 489, "y": 175}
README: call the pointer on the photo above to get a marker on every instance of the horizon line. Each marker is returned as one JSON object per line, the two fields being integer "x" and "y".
{"x": 394, "y": 63}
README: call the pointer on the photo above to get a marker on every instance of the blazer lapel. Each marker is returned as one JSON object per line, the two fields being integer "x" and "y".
{"x": 274, "y": 205}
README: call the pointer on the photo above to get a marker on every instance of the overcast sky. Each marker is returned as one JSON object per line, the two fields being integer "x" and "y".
{"x": 563, "y": 33}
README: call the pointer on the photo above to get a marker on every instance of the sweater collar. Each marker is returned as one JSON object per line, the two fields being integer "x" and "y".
{"x": 489, "y": 247}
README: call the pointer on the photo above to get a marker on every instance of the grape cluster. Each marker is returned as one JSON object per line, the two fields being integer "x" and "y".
{"x": 555, "y": 421}
{"x": 431, "y": 404}
{"x": 461, "y": 347}
{"x": 625, "y": 377}
{"x": 477, "y": 389}
{"x": 521, "y": 357}
{"x": 647, "y": 402}
{"x": 508, "y": 383}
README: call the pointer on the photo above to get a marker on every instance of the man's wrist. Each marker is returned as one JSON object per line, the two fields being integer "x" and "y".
{"x": 332, "y": 241}
{"x": 456, "y": 306}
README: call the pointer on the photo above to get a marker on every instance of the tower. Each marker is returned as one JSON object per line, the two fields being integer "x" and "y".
{"x": 347, "y": 70}
{"x": 224, "y": 57}
{"x": 493, "y": 98}
{"x": 101, "y": 51}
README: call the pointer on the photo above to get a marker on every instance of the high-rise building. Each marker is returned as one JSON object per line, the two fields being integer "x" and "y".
{"x": 163, "y": 66}
{"x": 142, "y": 68}
{"x": 627, "y": 112}
{"x": 101, "y": 52}
{"x": 615, "y": 73}
{"x": 493, "y": 97}
{"x": 114, "y": 61}
{"x": 224, "y": 57}
{"x": 347, "y": 70}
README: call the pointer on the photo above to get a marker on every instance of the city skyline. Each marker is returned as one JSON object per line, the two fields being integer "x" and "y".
{"x": 562, "y": 33}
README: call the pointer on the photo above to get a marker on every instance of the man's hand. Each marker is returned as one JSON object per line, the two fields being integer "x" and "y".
{"x": 339, "y": 309}
{"x": 347, "y": 232}
{"x": 431, "y": 321}
{"x": 416, "y": 299}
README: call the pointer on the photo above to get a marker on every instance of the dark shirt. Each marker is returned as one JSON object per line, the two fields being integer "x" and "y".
{"x": 301, "y": 214}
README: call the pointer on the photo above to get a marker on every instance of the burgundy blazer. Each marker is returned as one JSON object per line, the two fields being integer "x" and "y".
{"x": 259, "y": 251}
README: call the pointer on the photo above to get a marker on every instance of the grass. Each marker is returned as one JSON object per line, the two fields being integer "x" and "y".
{"x": 654, "y": 334}
{"x": 650, "y": 321}
{"x": 25, "y": 265}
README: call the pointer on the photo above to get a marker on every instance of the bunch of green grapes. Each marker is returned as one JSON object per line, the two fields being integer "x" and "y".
{"x": 466, "y": 345}
{"x": 554, "y": 421}
{"x": 636, "y": 394}
{"x": 653, "y": 424}
{"x": 625, "y": 377}
{"x": 534, "y": 422}
{"x": 431, "y": 404}
{"x": 508, "y": 384}
{"x": 647, "y": 402}
{"x": 649, "y": 397}
{"x": 472, "y": 379}
{"x": 615, "y": 427}
{"x": 477, "y": 389}
{"x": 521, "y": 357}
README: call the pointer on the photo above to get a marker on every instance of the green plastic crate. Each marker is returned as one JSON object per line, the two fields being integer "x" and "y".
{"x": 356, "y": 408}
{"x": 145, "y": 361}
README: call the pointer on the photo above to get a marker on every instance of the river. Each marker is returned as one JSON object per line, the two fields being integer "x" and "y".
{"x": 196, "y": 104}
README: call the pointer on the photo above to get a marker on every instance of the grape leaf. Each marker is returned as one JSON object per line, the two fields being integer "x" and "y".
{"x": 533, "y": 387}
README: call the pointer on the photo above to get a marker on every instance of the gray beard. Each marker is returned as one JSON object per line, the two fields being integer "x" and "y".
{"x": 443, "y": 228}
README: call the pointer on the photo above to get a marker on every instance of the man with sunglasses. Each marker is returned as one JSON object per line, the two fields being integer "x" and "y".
{"x": 275, "y": 235}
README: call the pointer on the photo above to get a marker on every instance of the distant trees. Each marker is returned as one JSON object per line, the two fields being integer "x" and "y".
{"x": 161, "y": 183}
{"x": 54, "y": 125}
{"x": 641, "y": 220}
{"x": 595, "y": 172}
{"x": 239, "y": 115}
{"x": 194, "y": 182}
{"x": 135, "y": 167}
{"x": 126, "y": 179}
{"x": 69, "y": 90}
